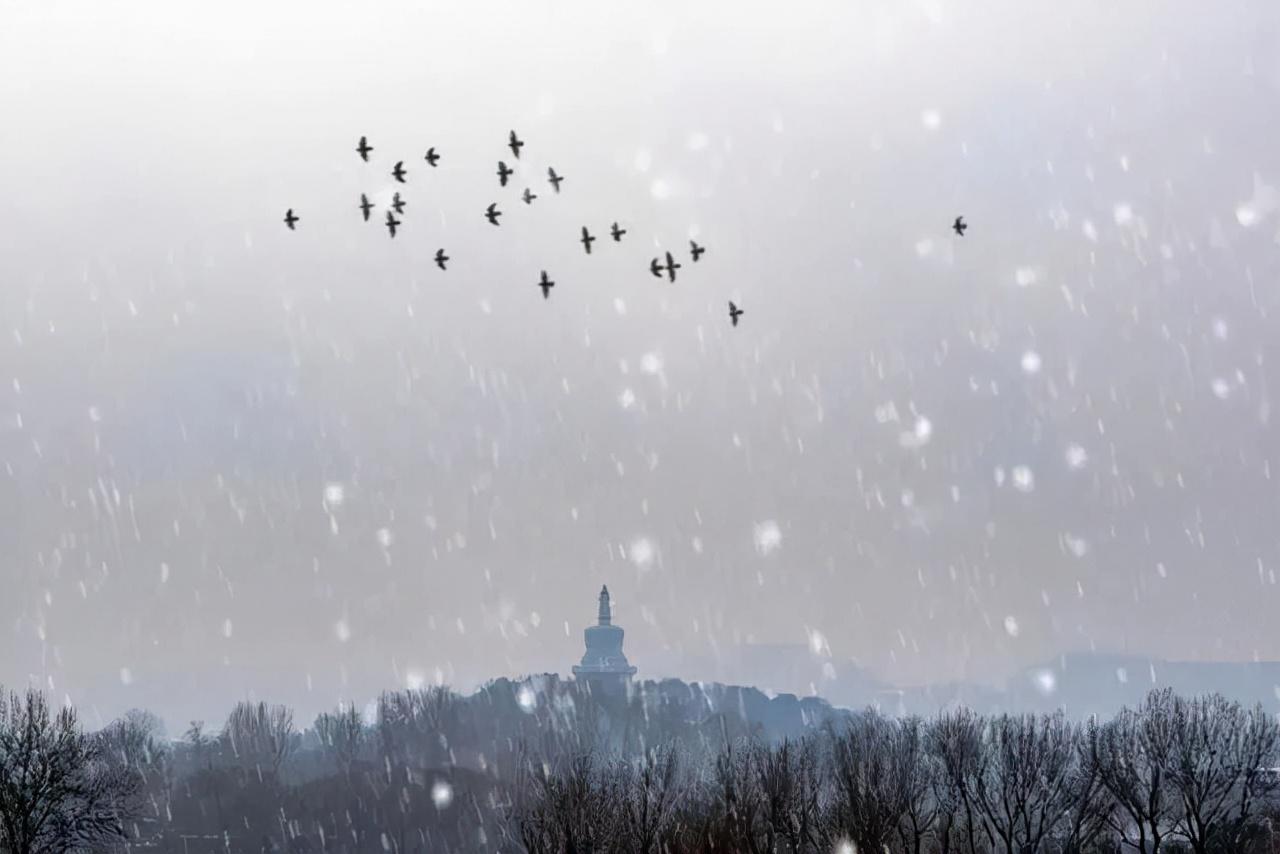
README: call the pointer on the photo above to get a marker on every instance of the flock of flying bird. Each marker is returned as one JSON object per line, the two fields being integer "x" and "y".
{"x": 657, "y": 266}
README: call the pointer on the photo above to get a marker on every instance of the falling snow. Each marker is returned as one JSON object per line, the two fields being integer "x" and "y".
{"x": 441, "y": 794}
{"x": 1077, "y": 457}
{"x": 919, "y": 435}
{"x": 642, "y": 552}
{"x": 239, "y": 462}
{"x": 768, "y": 537}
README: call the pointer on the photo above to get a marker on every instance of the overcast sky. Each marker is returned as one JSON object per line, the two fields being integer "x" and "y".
{"x": 237, "y": 461}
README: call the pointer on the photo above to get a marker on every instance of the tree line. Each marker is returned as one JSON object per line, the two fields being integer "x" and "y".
{"x": 548, "y": 766}
{"x": 1175, "y": 774}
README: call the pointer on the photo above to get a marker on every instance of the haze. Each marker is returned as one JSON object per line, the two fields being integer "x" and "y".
{"x": 241, "y": 462}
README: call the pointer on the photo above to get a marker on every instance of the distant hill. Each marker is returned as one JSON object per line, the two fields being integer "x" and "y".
{"x": 1094, "y": 684}
{"x": 1081, "y": 684}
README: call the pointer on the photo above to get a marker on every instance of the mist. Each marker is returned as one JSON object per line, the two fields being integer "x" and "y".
{"x": 239, "y": 462}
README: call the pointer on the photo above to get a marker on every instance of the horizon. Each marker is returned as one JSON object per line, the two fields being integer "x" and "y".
{"x": 1006, "y": 688}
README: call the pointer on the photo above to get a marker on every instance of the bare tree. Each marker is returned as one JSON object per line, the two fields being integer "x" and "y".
{"x": 58, "y": 789}
{"x": 735, "y": 808}
{"x": 1023, "y": 792}
{"x": 787, "y": 777}
{"x": 571, "y": 808}
{"x": 1132, "y": 754}
{"x": 134, "y": 740}
{"x": 652, "y": 786}
{"x": 134, "y": 743}
{"x": 200, "y": 742}
{"x": 1091, "y": 805}
{"x": 412, "y": 726}
{"x": 869, "y": 779}
{"x": 1257, "y": 752}
{"x": 203, "y": 746}
{"x": 919, "y": 770}
{"x": 260, "y": 735}
{"x": 1220, "y": 753}
{"x": 342, "y": 734}
{"x": 955, "y": 738}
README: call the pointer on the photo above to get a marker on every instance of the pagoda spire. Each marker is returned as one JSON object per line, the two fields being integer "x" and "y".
{"x": 606, "y": 613}
{"x": 603, "y": 663}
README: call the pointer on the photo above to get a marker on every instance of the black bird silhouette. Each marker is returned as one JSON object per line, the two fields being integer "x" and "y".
{"x": 515, "y": 144}
{"x": 492, "y": 213}
{"x": 398, "y": 203}
{"x": 587, "y": 239}
{"x": 696, "y": 250}
{"x": 554, "y": 179}
{"x": 290, "y": 219}
{"x": 365, "y": 206}
{"x": 734, "y": 313}
{"x": 363, "y": 149}
{"x": 503, "y": 172}
{"x": 392, "y": 222}
{"x": 441, "y": 258}
{"x": 959, "y": 226}
{"x": 528, "y": 196}
{"x": 617, "y": 233}
{"x": 398, "y": 173}
{"x": 671, "y": 266}
{"x": 546, "y": 285}
{"x": 432, "y": 158}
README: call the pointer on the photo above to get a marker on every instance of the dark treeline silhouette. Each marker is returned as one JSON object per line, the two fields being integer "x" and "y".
{"x": 60, "y": 788}
{"x": 546, "y": 765}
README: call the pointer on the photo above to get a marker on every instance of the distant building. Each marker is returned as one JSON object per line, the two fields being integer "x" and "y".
{"x": 604, "y": 667}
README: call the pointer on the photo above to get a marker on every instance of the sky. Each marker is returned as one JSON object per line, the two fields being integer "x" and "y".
{"x": 242, "y": 462}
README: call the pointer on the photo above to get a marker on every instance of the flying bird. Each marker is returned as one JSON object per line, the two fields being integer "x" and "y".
{"x": 503, "y": 172}
{"x": 696, "y": 250}
{"x": 734, "y": 313}
{"x": 587, "y": 239}
{"x": 617, "y": 233}
{"x": 441, "y": 258}
{"x": 398, "y": 203}
{"x": 959, "y": 226}
{"x": 290, "y": 219}
{"x": 398, "y": 173}
{"x": 363, "y": 149}
{"x": 554, "y": 179}
{"x": 432, "y": 158}
{"x": 546, "y": 285}
{"x": 365, "y": 206}
{"x": 515, "y": 144}
{"x": 671, "y": 266}
{"x": 528, "y": 196}
{"x": 392, "y": 222}
{"x": 492, "y": 213}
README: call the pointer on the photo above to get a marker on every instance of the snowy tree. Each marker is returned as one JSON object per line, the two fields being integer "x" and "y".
{"x": 260, "y": 736}
{"x": 59, "y": 789}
